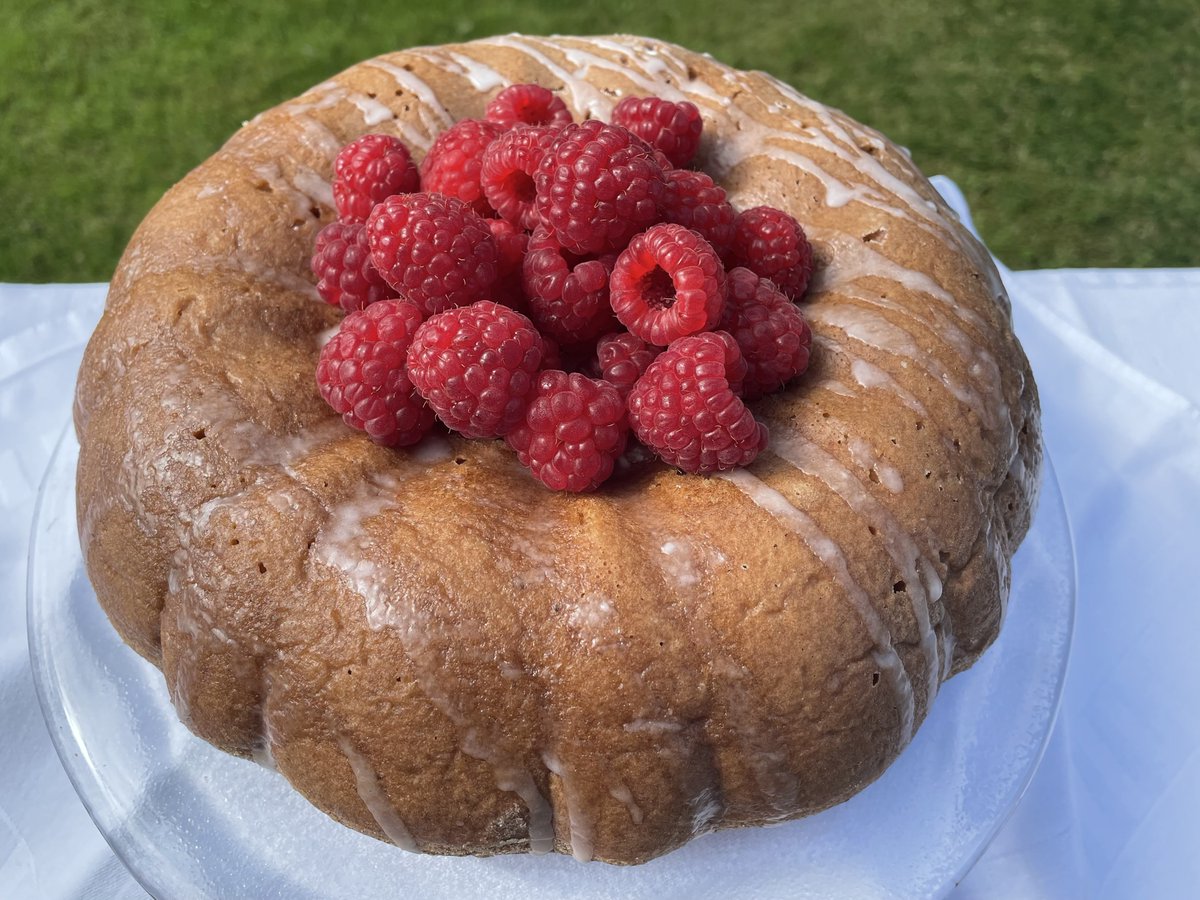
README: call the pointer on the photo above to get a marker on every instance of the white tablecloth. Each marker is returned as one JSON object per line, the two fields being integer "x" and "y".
{"x": 1110, "y": 812}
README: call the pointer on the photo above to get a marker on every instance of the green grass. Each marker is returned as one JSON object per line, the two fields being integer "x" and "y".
{"x": 1072, "y": 126}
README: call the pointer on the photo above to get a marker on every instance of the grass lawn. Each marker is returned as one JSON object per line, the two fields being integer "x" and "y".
{"x": 1072, "y": 126}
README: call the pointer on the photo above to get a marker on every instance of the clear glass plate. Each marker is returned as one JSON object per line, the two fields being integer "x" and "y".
{"x": 191, "y": 821}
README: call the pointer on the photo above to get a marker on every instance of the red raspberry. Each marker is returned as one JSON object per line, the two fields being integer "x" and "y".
{"x": 369, "y": 169}
{"x": 623, "y": 359}
{"x": 770, "y": 330}
{"x": 511, "y": 245}
{"x": 452, "y": 165}
{"x": 476, "y": 365}
{"x": 509, "y": 164}
{"x": 686, "y": 409}
{"x": 527, "y": 104}
{"x": 573, "y": 431}
{"x": 433, "y": 250}
{"x": 342, "y": 263}
{"x": 695, "y": 201}
{"x": 361, "y": 374}
{"x": 673, "y": 128}
{"x": 597, "y": 186}
{"x": 568, "y": 296}
{"x": 667, "y": 283}
{"x": 772, "y": 244}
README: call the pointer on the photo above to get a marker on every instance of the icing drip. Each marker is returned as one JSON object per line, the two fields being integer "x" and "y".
{"x": 835, "y": 387}
{"x": 622, "y": 794}
{"x": 686, "y": 564}
{"x": 921, "y": 581}
{"x": 344, "y": 545}
{"x": 317, "y": 137}
{"x": 262, "y": 752}
{"x": 374, "y": 113}
{"x": 482, "y": 77}
{"x": 585, "y": 97}
{"x": 582, "y": 834}
{"x": 870, "y": 376}
{"x": 375, "y": 799}
{"x": 433, "y": 114}
{"x": 867, "y": 457}
{"x": 831, "y": 556}
{"x": 306, "y": 191}
{"x": 875, "y": 331}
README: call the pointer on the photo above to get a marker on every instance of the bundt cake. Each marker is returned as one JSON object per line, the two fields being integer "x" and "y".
{"x": 435, "y": 649}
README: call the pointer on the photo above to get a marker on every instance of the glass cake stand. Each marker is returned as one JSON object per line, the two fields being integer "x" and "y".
{"x": 191, "y": 821}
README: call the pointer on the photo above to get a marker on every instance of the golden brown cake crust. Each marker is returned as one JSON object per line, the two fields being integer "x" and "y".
{"x": 435, "y": 649}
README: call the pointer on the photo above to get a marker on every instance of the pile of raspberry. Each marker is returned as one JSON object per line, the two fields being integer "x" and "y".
{"x": 559, "y": 285}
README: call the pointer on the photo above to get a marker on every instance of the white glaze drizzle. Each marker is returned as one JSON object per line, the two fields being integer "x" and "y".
{"x": 374, "y": 113}
{"x": 873, "y": 330}
{"x": 434, "y": 116}
{"x": 579, "y": 822}
{"x": 828, "y": 552}
{"x": 687, "y": 566}
{"x": 482, "y": 77}
{"x": 620, "y": 792}
{"x": 305, "y": 190}
{"x": 922, "y": 583}
{"x": 343, "y": 545}
{"x": 263, "y": 751}
{"x": 979, "y": 365}
{"x": 867, "y": 457}
{"x": 375, "y": 799}
{"x": 316, "y": 136}
{"x": 834, "y": 386}
{"x": 870, "y": 376}
{"x": 584, "y": 96}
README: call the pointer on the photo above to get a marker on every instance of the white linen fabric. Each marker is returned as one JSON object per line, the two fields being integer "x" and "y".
{"x": 1110, "y": 812}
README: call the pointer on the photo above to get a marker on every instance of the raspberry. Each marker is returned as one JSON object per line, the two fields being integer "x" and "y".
{"x": 686, "y": 409}
{"x": 527, "y": 104}
{"x": 568, "y": 296}
{"x": 433, "y": 250}
{"x": 361, "y": 374}
{"x": 623, "y": 359}
{"x": 597, "y": 186}
{"x": 695, "y": 201}
{"x": 573, "y": 431}
{"x": 673, "y": 128}
{"x": 770, "y": 330}
{"x": 666, "y": 284}
{"x": 511, "y": 245}
{"x": 342, "y": 263}
{"x": 772, "y": 244}
{"x": 452, "y": 165}
{"x": 509, "y": 164}
{"x": 475, "y": 365}
{"x": 369, "y": 169}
